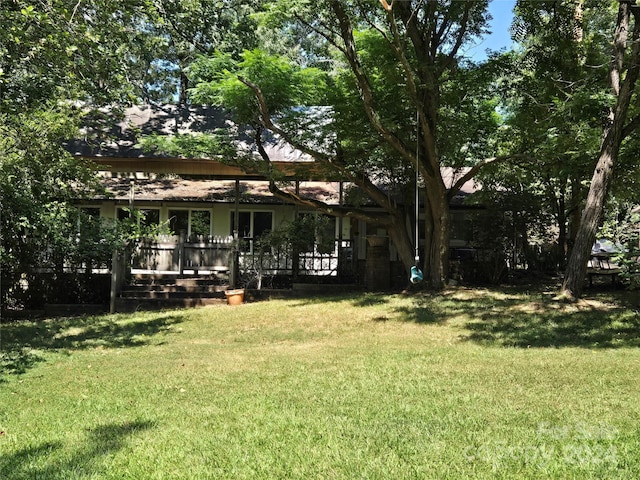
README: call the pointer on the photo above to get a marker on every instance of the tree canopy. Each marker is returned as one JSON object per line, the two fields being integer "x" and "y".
{"x": 374, "y": 91}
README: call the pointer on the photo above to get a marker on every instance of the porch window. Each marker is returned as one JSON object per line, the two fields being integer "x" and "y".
{"x": 326, "y": 234}
{"x": 179, "y": 221}
{"x": 317, "y": 232}
{"x": 150, "y": 216}
{"x": 192, "y": 222}
{"x": 461, "y": 227}
{"x": 200, "y": 222}
{"x": 93, "y": 212}
{"x": 251, "y": 225}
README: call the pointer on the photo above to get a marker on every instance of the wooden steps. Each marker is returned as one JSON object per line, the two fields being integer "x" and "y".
{"x": 156, "y": 292}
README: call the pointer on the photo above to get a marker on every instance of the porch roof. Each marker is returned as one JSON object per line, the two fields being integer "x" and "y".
{"x": 208, "y": 190}
{"x": 112, "y": 142}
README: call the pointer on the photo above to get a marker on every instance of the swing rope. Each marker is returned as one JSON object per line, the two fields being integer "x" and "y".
{"x": 416, "y": 273}
{"x": 417, "y": 226}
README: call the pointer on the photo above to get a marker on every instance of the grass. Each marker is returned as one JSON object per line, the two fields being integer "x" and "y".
{"x": 465, "y": 384}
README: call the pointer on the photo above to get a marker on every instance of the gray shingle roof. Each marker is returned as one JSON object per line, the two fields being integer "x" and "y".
{"x": 117, "y": 133}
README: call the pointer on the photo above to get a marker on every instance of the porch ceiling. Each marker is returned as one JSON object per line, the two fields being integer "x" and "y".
{"x": 209, "y": 190}
{"x": 211, "y": 169}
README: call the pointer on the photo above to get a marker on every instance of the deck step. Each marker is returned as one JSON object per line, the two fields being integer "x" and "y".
{"x": 155, "y": 292}
{"x": 170, "y": 295}
{"x": 181, "y": 289}
{"x": 125, "y": 305}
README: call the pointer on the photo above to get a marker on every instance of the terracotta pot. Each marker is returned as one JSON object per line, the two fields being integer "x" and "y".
{"x": 234, "y": 297}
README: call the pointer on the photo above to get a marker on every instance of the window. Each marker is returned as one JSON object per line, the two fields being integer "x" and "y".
{"x": 244, "y": 224}
{"x": 148, "y": 216}
{"x": 200, "y": 222}
{"x": 461, "y": 226}
{"x": 262, "y": 223}
{"x": 251, "y": 225}
{"x": 191, "y": 222}
{"x": 179, "y": 221}
{"x": 317, "y": 231}
{"x": 326, "y": 234}
{"x": 93, "y": 212}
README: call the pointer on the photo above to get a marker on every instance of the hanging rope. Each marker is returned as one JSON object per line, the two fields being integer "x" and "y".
{"x": 416, "y": 273}
{"x": 417, "y": 226}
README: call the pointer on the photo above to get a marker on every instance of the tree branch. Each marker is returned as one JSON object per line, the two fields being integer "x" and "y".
{"x": 631, "y": 127}
{"x": 322, "y": 33}
{"x": 366, "y": 92}
{"x": 450, "y": 59}
{"x": 265, "y": 116}
{"x": 473, "y": 171}
{"x": 361, "y": 181}
{"x": 334, "y": 210}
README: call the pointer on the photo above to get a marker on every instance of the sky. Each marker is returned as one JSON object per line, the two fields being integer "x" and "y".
{"x": 502, "y": 13}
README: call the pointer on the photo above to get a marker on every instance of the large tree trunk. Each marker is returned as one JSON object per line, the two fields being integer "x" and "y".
{"x": 403, "y": 243}
{"x": 613, "y": 135}
{"x": 437, "y": 234}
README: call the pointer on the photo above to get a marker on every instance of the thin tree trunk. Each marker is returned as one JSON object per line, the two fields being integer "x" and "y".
{"x": 575, "y": 208}
{"x": 575, "y": 273}
{"x": 573, "y": 284}
{"x": 562, "y": 231}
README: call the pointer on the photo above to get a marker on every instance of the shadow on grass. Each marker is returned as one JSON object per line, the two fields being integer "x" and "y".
{"x": 518, "y": 318}
{"x": 422, "y": 312}
{"x": 523, "y": 320}
{"x": 371, "y": 299}
{"x": 358, "y": 299}
{"x": 24, "y": 341}
{"x": 591, "y": 328}
{"x": 87, "y": 459}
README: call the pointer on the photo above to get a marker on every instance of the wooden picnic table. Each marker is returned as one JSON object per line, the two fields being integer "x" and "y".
{"x": 600, "y": 264}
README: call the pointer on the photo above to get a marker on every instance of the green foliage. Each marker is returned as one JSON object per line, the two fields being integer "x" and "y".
{"x": 209, "y": 145}
{"x": 554, "y": 100}
{"x": 284, "y": 84}
{"x": 73, "y": 50}
{"x": 42, "y": 227}
{"x": 470, "y": 115}
{"x": 303, "y": 234}
{"x": 37, "y": 179}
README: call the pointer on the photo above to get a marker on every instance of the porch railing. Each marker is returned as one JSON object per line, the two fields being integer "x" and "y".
{"x": 172, "y": 254}
{"x": 335, "y": 263}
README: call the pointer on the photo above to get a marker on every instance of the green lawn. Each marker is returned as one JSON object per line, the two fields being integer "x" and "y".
{"x": 466, "y": 384}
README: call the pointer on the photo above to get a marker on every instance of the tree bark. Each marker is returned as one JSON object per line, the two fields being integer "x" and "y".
{"x": 613, "y": 135}
{"x": 437, "y": 249}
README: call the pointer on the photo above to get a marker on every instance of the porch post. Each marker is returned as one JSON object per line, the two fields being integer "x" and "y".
{"x": 340, "y": 238}
{"x": 182, "y": 239}
{"x": 117, "y": 276}
{"x": 295, "y": 254}
{"x": 235, "y": 253}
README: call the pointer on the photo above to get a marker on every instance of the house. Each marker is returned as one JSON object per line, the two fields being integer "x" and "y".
{"x": 203, "y": 204}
